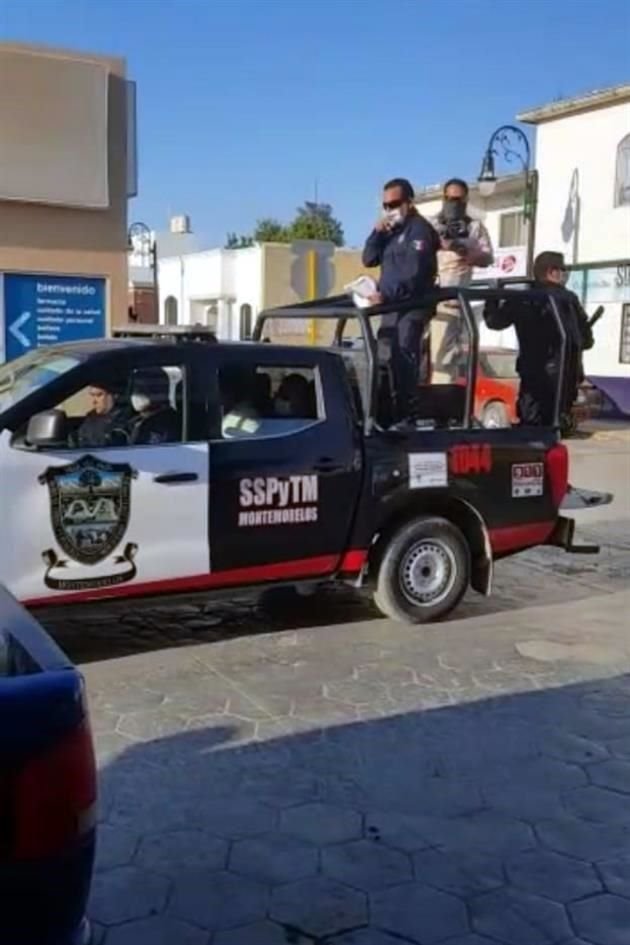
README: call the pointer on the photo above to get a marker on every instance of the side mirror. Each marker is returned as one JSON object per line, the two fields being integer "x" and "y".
{"x": 47, "y": 430}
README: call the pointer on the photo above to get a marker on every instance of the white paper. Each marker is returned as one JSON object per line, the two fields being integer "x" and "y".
{"x": 428, "y": 470}
{"x": 361, "y": 289}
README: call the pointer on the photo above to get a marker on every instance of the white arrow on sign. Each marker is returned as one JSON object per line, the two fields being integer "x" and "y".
{"x": 18, "y": 324}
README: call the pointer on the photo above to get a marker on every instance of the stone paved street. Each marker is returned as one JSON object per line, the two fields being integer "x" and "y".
{"x": 331, "y": 777}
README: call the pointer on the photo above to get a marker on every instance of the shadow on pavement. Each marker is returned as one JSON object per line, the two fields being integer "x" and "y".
{"x": 507, "y": 817}
{"x": 120, "y": 628}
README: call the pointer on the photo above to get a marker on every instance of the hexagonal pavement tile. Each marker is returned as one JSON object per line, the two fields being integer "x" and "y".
{"x": 98, "y": 933}
{"x": 368, "y": 937}
{"x": 149, "y": 724}
{"x": 176, "y": 850}
{"x": 366, "y": 865}
{"x": 218, "y": 901}
{"x": 126, "y": 893}
{"x": 274, "y": 858}
{"x": 517, "y": 918}
{"x": 318, "y": 906}
{"x": 603, "y": 919}
{"x": 552, "y": 875}
{"x": 620, "y": 747}
{"x": 400, "y": 831}
{"x": 356, "y": 692}
{"x": 463, "y": 874}
{"x": 234, "y": 817}
{"x": 597, "y": 804}
{"x": 259, "y": 933}
{"x": 160, "y": 930}
{"x": 484, "y": 831}
{"x": 115, "y": 846}
{"x": 611, "y": 774}
{"x": 616, "y": 875}
{"x": 583, "y": 839}
{"x": 473, "y": 939}
{"x": 321, "y": 823}
{"x": 417, "y": 912}
{"x": 569, "y": 747}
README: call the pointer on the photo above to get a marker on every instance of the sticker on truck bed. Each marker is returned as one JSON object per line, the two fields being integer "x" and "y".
{"x": 90, "y": 503}
{"x": 528, "y": 480}
{"x": 428, "y": 470}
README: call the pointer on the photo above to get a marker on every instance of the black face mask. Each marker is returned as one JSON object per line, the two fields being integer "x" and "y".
{"x": 453, "y": 208}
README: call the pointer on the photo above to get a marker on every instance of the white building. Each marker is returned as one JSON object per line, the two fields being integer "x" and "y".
{"x": 583, "y": 163}
{"x": 226, "y": 289}
{"x": 220, "y": 288}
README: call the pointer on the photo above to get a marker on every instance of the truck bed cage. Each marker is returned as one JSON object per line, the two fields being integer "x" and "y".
{"x": 341, "y": 308}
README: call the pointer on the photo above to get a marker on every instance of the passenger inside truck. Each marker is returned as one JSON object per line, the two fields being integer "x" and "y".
{"x": 267, "y": 400}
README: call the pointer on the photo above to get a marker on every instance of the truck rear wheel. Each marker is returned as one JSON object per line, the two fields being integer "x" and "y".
{"x": 424, "y": 571}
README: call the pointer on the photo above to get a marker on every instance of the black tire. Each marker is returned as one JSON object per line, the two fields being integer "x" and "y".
{"x": 430, "y": 550}
{"x": 494, "y": 415}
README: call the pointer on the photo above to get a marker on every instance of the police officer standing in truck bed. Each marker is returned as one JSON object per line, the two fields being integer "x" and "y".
{"x": 540, "y": 348}
{"x": 405, "y": 246}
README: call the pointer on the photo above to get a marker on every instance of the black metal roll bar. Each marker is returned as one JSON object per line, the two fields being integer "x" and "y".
{"x": 342, "y": 308}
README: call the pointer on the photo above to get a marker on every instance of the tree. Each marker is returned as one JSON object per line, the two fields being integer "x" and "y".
{"x": 315, "y": 221}
{"x": 233, "y": 241}
{"x": 269, "y": 230}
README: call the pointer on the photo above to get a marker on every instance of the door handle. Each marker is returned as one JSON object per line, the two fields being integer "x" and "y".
{"x": 168, "y": 479}
{"x": 325, "y": 464}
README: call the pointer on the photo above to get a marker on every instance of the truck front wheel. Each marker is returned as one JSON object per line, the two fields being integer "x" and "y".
{"x": 424, "y": 571}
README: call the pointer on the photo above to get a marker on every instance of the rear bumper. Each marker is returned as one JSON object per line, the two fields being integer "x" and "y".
{"x": 584, "y": 499}
{"x": 44, "y": 902}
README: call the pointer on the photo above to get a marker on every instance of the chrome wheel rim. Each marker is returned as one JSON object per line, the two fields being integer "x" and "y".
{"x": 427, "y": 572}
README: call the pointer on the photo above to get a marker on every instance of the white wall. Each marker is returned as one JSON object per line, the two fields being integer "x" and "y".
{"x": 231, "y": 277}
{"x": 586, "y": 143}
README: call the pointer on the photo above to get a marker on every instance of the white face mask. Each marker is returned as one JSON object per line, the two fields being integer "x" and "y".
{"x": 283, "y": 407}
{"x": 394, "y": 217}
{"x": 140, "y": 402}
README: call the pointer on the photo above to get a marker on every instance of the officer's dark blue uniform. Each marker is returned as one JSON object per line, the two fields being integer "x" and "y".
{"x": 407, "y": 255}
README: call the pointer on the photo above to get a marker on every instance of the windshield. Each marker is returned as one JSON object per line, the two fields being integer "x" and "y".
{"x": 499, "y": 364}
{"x": 25, "y": 375}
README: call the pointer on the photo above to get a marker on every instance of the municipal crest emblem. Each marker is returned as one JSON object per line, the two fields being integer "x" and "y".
{"x": 90, "y": 504}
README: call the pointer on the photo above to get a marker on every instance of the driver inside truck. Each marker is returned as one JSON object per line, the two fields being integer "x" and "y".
{"x": 540, "y": 346}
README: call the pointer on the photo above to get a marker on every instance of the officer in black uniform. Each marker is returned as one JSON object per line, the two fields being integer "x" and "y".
{"x": 155, "y": 421}
{"x": 540, "y": 343}
{"x": 106, "y": 423}
{"x": 405, "y": 246}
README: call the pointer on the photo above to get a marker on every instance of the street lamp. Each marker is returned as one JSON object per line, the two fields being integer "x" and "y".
{"x": 511, "y": 144}
{"x": 141, "y": 242}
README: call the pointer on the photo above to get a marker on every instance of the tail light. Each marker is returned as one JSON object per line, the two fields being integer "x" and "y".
{"x": 557, "y": 463}
{"x": 52, "y": 798}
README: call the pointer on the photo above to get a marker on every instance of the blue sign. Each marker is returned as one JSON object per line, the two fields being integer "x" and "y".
{"x": 48, "y": 310}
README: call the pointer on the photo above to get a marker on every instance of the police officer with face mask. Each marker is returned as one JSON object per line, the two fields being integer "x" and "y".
{"x": 405, "y": 246}
{"x": 540, "y": 348}
{"x": 464, "y": 246}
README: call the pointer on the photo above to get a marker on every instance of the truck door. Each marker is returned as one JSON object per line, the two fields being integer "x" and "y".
{"x": 286, "y": 466}
{"x": 83, "y": 521}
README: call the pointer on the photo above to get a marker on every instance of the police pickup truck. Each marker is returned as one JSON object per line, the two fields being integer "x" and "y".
{"x": 255, "y": 464}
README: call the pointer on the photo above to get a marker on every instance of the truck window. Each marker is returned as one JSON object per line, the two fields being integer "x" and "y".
{"x": 268, "y": 400}
{"x": 141, "y": 407}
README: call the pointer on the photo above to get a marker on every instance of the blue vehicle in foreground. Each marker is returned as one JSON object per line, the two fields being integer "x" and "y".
{"x": 47, "y": 788}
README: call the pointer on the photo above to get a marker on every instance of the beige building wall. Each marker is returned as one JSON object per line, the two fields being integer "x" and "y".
{"x": 287, "y": 280}
{"x": 48, "y": 239}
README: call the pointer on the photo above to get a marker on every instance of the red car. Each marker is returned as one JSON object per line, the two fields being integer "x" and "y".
{"x": 497, "y": 386}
